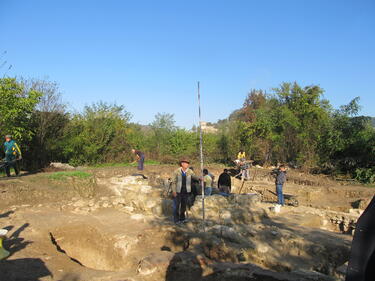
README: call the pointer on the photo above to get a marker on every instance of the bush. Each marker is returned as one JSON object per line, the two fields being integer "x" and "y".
{"x": 365, "y": 175}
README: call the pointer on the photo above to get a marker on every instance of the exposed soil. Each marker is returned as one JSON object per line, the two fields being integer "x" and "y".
{"x": 75, "y": 230}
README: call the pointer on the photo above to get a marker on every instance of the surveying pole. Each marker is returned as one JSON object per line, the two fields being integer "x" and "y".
{"x": 201, "y": 156}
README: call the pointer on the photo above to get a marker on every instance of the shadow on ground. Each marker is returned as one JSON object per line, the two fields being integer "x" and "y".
{"x": 27, "y": 269}
{"x": 15, "y": 242}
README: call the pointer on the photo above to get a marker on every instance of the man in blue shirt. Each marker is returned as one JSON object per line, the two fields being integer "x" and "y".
{"x": 12, "y": 155}
{"x": 280, "y": 181}
{"x": 140, "y": 158}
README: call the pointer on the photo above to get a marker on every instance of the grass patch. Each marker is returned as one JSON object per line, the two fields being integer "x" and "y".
{"x": 68, "y": 174}
{"x": 147, "y": 162}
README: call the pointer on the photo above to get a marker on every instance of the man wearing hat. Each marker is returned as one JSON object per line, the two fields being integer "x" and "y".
{"x": 12, "y": 154}
{"x": 181, "y": 189}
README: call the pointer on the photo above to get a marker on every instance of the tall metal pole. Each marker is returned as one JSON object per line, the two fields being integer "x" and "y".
{"x": 201, "y": 155}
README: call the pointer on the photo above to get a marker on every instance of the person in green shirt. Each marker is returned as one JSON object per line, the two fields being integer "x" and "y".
{"x": 12, "y": 155}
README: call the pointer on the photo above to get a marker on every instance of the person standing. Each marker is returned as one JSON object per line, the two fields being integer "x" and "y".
{"x": 245, "y": 170}
{"x": 280, "y": 181}
{"x": 241, "y": 156}
{"x": 140, "y": 158}
{"x": 181, "y": 189}
{"x": 361, "y": 266}
{"x": 12, "y": 155}
{"x": 224, "y": 183}
{"x": 207, "y": 183}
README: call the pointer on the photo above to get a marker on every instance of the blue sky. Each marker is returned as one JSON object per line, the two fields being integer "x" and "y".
{"x": 148, "y": 55}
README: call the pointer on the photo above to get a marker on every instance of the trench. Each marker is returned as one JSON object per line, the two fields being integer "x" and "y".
{"x": 58, "y": 248}
{"x": 88, "y": 247}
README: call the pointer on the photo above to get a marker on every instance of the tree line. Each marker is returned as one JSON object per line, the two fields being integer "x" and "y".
{"x": 293, "y": 125}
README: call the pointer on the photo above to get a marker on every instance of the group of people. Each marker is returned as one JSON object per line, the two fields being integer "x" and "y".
{"x": 279, "y": 174}
{"x": 186, "y": 185}
{"x": 243, "y": 165}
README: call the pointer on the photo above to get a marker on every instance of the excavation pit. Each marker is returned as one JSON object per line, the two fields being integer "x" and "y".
{"x": 89, "y": 247}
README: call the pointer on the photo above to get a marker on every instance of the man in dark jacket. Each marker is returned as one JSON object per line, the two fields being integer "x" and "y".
{"x": 181, "y": 190}
{"x": 280, "y": 180}
{"x": 361, "y": 265}
{"x": 224, "y": 183}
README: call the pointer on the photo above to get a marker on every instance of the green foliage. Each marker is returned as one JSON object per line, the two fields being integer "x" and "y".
{"x": 365, "y": 175}
{"x": 163, "y": 127}
{"x": 16, "y": 108}
{"x": 297, "y": 126}
{"x": 96, "y": 135}
{"x": 294, "y": 125}
{"x": 182, "y": 143}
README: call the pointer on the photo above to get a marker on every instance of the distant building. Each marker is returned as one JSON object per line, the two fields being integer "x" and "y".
{"x": 208, "y": 128}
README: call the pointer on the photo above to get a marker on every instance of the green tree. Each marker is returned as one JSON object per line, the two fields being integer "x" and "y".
{"x": 304, "y": 117}
{"x": 48, "y": 121}
{"x": 163, "y": 127}
{"x": 97, "y": 135}
{"x": 353, "y": 139}
{"x": 183, "y": 143}
{"x": 16, "y": 108}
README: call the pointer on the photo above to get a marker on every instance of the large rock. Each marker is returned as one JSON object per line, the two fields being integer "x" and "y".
{"x": 247, "y": 272}
{"x": 61, "y": 166}
{"x": 213, "y": 205}
{"x": 245, "y": 200}
{"x": 185, "y": 266}
{"x": 361, "y": 204}
{"x": 155, "y": 262}
{"x": 235, "y": 209}
{"x": 230, "y": 234}
{"x": 135, "y": 192}
{"x": 215, "y": 201}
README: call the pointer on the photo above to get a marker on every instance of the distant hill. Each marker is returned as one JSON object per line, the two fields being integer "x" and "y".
{"x": 373, "y": 121}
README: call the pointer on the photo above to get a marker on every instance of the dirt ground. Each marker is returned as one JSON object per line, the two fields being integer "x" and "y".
{"x": 52, "y": 237}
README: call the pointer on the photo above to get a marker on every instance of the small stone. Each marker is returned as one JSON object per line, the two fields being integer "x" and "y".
{"x": 137, "y": 217}
{"x": 79, "y": 203}
{"x": 341, "y": 270}
{"x": 128, "y": 209}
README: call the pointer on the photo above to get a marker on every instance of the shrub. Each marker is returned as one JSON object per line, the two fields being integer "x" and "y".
{"x": 365, "y": 175}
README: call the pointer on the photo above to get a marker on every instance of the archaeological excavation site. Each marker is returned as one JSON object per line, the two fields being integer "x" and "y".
{"x": 115, "y": 225}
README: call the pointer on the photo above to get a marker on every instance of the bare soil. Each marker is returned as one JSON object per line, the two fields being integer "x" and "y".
{"x": 51, "y": 238}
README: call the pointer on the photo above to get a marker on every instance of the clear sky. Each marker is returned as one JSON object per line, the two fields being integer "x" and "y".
{"x": 148, "y": 55}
